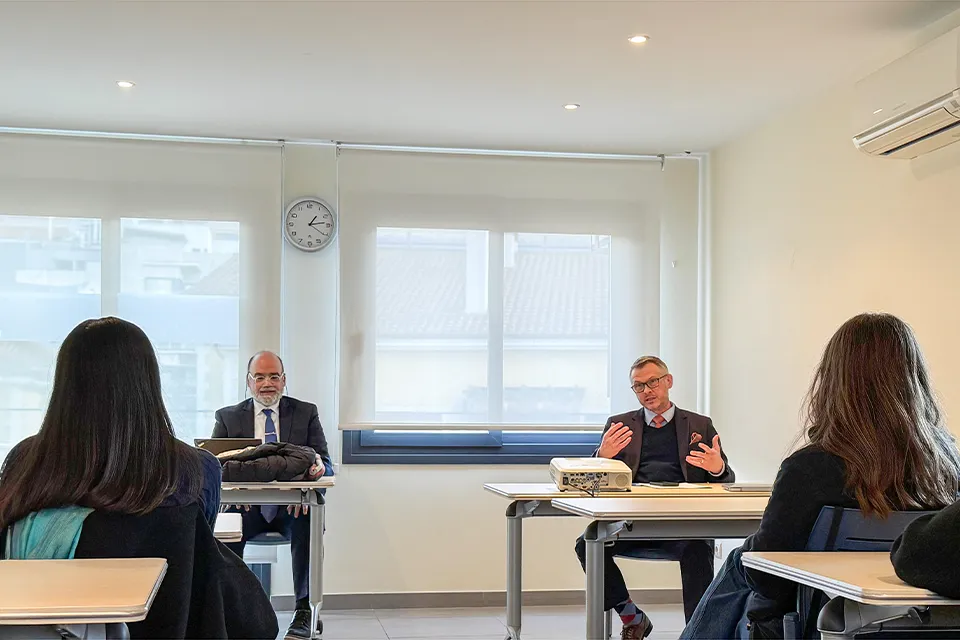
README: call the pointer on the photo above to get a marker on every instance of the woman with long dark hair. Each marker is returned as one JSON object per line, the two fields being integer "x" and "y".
{"x": 106, "y": 477}
{"x": 106, "y": 441}
{"x": 875, "y": 441}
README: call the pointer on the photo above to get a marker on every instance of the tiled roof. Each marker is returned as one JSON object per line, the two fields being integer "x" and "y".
{"x": 546, "y": 295}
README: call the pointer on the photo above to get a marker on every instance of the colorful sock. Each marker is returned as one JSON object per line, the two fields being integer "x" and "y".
{"x": 629, "y": 613}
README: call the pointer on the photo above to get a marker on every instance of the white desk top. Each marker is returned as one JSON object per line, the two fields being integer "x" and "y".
{"x": 229, "y": 527}
{"x": 323, "y": 483}
{"x": 78, "y": 591}
{"x": 647, "y": 508}
{"x": 867, "y": 578}
{"x": 549, "y": 491}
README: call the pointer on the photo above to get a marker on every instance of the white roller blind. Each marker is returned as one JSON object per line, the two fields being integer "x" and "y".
{"x": 473, "y": 288}
{"x": 183, "y": 239}
{"x": 113, "y": 179}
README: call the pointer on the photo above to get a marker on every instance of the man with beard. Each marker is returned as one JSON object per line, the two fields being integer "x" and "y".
{"x": 270, "y": 416}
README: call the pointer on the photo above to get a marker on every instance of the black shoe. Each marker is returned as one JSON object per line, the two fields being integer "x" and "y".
{"x": 300, "y": 625}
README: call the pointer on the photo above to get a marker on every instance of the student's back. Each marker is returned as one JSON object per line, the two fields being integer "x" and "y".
{"x": 875, "y": 442}
{"x": 106, "y": 476}
{"x": 208, "y": 592}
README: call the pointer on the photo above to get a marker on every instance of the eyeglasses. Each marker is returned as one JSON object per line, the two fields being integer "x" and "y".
{"x": 649, "y": 384}
{"x": 258, "y": 378}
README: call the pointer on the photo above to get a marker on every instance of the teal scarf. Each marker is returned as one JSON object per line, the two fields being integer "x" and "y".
{"x": 48, "y": 534}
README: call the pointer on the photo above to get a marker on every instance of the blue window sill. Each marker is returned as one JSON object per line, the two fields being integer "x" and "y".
{"x": 491, "y": 447}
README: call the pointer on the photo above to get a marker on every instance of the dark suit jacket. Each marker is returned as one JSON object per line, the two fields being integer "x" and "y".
{"x": 299, "y": 424}
{"x": 687, "y": 423}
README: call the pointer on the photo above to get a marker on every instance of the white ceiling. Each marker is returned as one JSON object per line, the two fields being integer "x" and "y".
{"x": 484, "y": 73}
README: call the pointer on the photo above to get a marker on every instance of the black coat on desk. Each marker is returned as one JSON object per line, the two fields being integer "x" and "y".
{"x": 687, "y": 424}
{"x": 272, "y": 461}
{"x": 207, "y": 592}
{"x": 299, "y": 424}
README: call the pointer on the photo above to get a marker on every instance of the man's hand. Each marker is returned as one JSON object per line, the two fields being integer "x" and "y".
{"x": 317, "y": 469}
{"x": 614, "y": 440}
{"x": 297, "y": 509}
{"x": 709, "y": 458}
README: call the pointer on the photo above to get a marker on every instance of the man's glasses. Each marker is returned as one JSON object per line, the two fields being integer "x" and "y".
{"x": 649, "y": 384}
{"x": 258, "y": 378}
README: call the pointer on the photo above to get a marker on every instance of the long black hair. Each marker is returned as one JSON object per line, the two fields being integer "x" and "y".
{"x": 106, "y": 441}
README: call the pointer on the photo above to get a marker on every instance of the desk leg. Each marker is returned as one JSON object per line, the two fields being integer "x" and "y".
{"x": 514, "y": 571}
{"x": 316, "y": 564}
{"x": 594, "y": 582}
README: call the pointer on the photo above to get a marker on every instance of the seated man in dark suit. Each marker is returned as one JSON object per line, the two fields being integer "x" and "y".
{"x": 660, "y": 443}
{"x": 272, "y": 417}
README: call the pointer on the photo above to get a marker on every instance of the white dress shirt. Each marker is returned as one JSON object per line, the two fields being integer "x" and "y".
{"x": 260, "y": 419}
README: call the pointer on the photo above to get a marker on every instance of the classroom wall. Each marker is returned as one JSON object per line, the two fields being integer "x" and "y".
{"x": 405, "y": 528}
{"x": 808, "y": 231}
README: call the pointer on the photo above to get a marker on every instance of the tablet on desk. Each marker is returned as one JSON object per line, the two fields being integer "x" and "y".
{"x": 749, "y": 488}
{"x": 671, "y": 485}
{"x": 216, "y": 446}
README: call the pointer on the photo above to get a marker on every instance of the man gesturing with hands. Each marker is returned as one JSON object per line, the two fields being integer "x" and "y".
{"x": 661, "y": 444}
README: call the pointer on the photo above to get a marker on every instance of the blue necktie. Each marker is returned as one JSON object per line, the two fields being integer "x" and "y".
{"x": 269, "y": 511}
{"x": 270, "y": 430}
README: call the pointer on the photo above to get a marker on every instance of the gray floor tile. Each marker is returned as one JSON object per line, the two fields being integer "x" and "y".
{"x": 441, "y": 627}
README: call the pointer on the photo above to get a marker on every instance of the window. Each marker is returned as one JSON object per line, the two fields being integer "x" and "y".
{"x": 476, "y": 298}
{"x": 183, "y": 239}
{"x": 438, "y": 362}
{"x": 179, "y": 281}
{"x": 49, "y": 282}
{"x": 432, "y": 323}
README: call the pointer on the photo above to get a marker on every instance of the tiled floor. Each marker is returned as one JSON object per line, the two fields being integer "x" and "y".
{"x": 539, "y": 623}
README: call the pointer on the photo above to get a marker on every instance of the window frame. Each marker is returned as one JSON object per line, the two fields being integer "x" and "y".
{"x": 494, "y": 446}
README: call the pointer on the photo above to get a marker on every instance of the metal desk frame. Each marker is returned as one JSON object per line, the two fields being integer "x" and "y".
{"x": 538, "y": 503}
{"x": 291, "y": 493}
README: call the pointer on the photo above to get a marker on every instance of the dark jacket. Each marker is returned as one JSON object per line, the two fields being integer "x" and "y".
{"x": 927, "y": 554}
{"x": 279, "y": 461}
{"x": 687, "y": 424}
{"x": 807, "y": 481}
{"x": 208, "y": 592}
{"x": 299, "y": 424}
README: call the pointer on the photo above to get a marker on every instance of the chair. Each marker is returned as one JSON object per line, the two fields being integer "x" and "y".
{"x": 839, "y": 529}
{"x": 262, "y": 569}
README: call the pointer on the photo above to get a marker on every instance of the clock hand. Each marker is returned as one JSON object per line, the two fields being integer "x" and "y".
{"x": 312, "y": 221}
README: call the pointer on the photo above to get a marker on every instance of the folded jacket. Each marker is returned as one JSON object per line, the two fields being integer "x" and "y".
{"x": 273, "y": 461}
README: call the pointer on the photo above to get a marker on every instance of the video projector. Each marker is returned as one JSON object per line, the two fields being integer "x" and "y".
{"x": 590, "y": 474}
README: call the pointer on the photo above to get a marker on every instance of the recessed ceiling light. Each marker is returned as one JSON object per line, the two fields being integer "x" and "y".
{"x": 638, "y": 39}
{"x": 571, "y": 106}
{"x": 124, "y": 84}
{"x": 878, "y": 111}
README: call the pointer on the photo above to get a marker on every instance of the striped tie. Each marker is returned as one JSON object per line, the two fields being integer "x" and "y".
{"x": 658, "y": 421}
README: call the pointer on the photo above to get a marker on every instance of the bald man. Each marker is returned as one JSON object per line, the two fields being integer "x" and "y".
{"x": 272, "y": 417}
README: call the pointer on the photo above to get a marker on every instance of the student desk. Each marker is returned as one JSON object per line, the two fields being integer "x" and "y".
{"x": 51, "y": 592}
{"x": 869, "y": 589}
{"x": 229, "y": 527}
{"x": 290, "y": 493}
{"x": 537, "y": 499}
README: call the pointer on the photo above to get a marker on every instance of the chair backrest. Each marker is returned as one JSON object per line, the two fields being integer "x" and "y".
{"x": 840, "y": 529}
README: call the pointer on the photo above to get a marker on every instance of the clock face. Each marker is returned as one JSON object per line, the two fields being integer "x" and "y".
{"x": 309, "y": 224}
